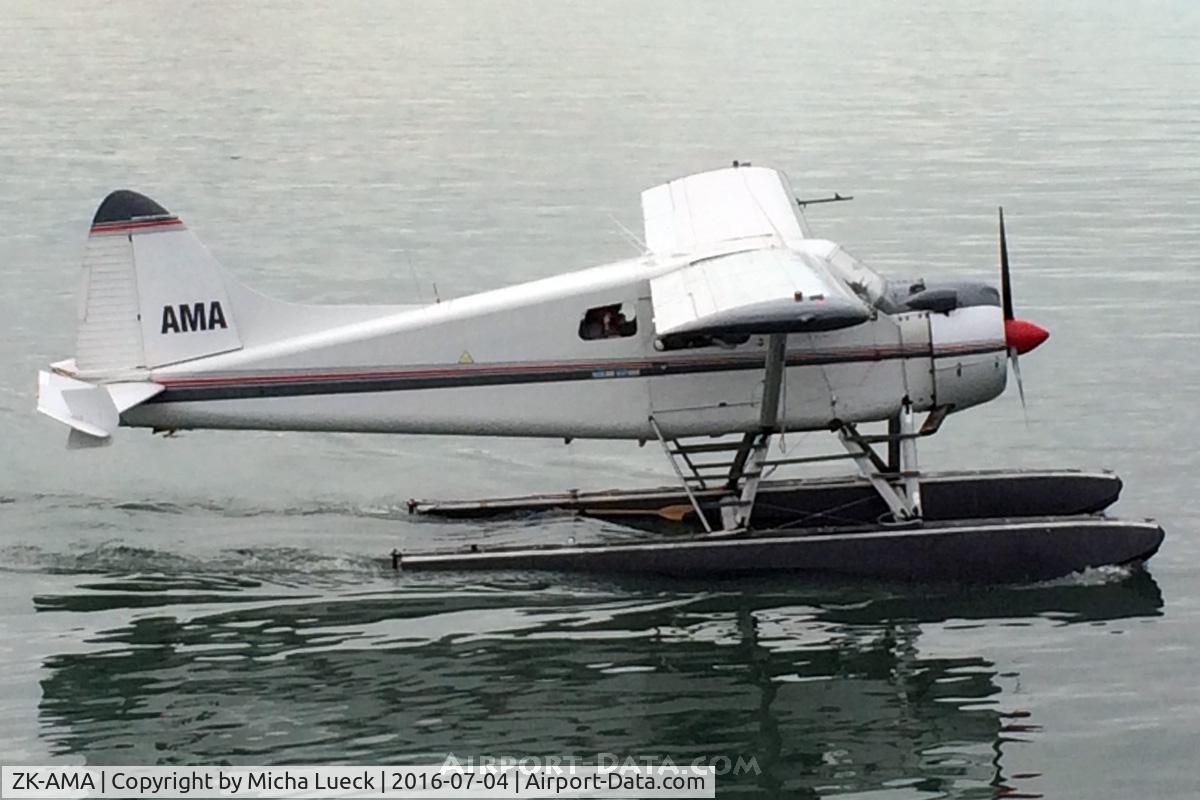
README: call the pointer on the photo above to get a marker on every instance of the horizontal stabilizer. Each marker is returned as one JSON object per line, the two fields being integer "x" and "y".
{"x": 92, "y": 411}
{"x": 78, "y": 440}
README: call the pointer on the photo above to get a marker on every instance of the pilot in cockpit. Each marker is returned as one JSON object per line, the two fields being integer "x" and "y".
{"x": 606, "y": 322}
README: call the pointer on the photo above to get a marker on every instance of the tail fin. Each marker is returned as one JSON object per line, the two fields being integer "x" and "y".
{"x": 152, "y": 294}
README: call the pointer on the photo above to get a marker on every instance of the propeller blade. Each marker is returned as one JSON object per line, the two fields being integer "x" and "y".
{"x": 1016, "y": 368}
{"x": 1005, "y": 277}
{"x": 1020, "y": 334}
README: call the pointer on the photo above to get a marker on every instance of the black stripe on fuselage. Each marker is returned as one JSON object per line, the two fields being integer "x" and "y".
{"x": 241, "y": 389}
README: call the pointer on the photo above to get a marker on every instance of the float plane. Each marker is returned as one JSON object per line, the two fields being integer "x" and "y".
{"x": 734, "y": 325}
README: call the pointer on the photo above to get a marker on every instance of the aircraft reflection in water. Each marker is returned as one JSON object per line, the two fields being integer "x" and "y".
{"x": 823, "y": 696}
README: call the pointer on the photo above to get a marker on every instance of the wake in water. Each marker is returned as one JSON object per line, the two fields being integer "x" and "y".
{"x": 333, "y": 542}
{"x": 235, "y": 508}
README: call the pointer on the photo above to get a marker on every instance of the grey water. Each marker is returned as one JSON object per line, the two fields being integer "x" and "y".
{"x": 221, "y": 598}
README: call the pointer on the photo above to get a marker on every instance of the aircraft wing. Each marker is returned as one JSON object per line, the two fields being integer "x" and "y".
{"x": 767, "y": 290}
{"x": 689, "y": 214}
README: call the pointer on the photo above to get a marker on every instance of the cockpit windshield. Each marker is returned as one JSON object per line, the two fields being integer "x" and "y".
{"x": 864, "y": 281}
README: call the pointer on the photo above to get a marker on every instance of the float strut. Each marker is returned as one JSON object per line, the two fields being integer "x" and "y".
{"x": 893, "y": 443}
{"x": 678, "y": 472}
{"x": 909, "y": 470}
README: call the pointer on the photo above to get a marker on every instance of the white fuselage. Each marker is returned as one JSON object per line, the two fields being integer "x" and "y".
{"x": 512, "y": 362}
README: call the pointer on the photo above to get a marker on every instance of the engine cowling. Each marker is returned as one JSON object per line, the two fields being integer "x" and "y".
{"x": 969, "y": 351}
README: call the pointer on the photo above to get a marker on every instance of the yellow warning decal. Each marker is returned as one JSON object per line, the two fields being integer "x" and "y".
{"x": 465, "y": 358}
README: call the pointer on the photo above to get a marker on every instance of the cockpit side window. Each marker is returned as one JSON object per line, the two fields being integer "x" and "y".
{"x": 614, "y": 321}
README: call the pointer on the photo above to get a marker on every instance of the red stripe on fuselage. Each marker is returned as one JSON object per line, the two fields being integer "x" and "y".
{"x": 750, "y": 361}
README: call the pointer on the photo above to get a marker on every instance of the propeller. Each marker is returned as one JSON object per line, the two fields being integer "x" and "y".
{"x": 1020, "y": 335}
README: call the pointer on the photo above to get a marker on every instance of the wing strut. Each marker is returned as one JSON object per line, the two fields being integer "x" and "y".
{"x": 769, "y": 416}
{"x": 773, "y": 381}
{"x": 750, "y": 462}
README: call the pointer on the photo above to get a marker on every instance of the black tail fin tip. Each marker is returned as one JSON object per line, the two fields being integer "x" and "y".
{"x": 124, "y": 205}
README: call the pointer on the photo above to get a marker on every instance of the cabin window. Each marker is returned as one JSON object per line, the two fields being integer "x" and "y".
{"x": 613, "y": 321}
